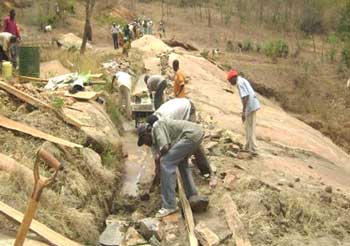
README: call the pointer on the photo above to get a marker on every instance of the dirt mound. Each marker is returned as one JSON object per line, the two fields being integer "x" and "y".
{"x": 52, "y": 69}
{"x": 70, "y": 40}
{"x": 150, "y": 44}
{"x": 122, "y": 12}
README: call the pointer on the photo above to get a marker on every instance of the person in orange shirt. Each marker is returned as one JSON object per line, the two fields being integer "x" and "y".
{"x": 179, "y": 81}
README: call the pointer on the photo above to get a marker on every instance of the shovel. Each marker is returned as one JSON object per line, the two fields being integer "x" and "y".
{"x": 39, "y": 184}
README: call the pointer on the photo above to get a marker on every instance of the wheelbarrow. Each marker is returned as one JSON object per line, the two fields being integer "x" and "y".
{"x": 39, "y": 184}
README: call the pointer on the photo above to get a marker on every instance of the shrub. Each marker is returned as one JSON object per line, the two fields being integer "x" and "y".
{"x": 345, "y": 54}
{"x": 276, "y": 49}
{"x": 332, "y": 52}
{"x": 247, "y": 45}
{"x": 343, "y": 26}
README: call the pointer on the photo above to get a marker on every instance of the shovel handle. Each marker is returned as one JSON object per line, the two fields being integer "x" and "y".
{"x": 49, "y": 159}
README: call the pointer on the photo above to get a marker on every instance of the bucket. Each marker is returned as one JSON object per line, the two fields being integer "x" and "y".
{"x": 29, "y": 61}
{"x": 7, "y": 69}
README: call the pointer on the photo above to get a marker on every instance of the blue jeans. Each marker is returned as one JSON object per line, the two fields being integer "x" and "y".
{"x": 177, "y": 156}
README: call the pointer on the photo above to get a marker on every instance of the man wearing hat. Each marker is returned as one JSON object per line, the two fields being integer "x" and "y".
{"x": 184, "y": 109}
{"x": 172, "y": 142}
{"x": 250, "y": 106}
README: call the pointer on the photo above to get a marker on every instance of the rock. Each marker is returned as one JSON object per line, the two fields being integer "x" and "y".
{"x": 206, "y": 236}
{"x": 70, "y": 40}
{"x": 311, "y": 167}
{"x": 329, "y": 189}
{"x": 244, "y": 156}
{"x": 281, "y": 182}
{"x": 102, "y": 133}
{"x": 150, "y": 227}
{"x": 154, "y": 241}
{"x": 326, "y": 197}
{"x": 137, "y": 215}
{"x": 291, "y": 185}
{"x": 114, "y": 234}
{"x": 344, "y": 204}
{"x": 234, "y": 148}
{"x": 231, "y": 154}
{"x": 297, "y": 180}
{"x": 229, "y": 181}
{"x": 133, "y": 238}
{"x": 211, "y": 145}
{"x": 233, "y": 137}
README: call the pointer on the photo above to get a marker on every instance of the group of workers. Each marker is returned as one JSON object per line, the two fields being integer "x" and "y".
{"x": 122, "y": 35}
{"x": 174, "y": 136}
{"x": 9, "y": 36}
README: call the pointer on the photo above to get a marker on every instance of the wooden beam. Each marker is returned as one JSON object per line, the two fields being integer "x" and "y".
{"x": 38, "y": 104}
{"x": 43, "y": 231}
{"x": 187, "y": 211}
{"x": 32, "y": 79}
{"x": 17, "y": 126}
{"x": 82, "y": 95}
{"x": 234, "y": 222}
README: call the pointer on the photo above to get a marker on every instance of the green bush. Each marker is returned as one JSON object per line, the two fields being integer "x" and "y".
{"x": 331, "y": 54}
{"x": 247, "y": 45}
{"x": 343, "y": 25}
{"x": 345, "y": 54}
{"x": 276, "y": 49}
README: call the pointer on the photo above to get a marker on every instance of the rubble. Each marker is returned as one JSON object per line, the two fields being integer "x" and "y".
{"x": 133, "y": 238}
{"x": 150, "y": 227}
{"x": 206, "y": 236}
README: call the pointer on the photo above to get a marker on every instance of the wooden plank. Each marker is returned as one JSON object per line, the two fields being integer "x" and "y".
{"x": 17, "y": 126}
{"x": 48, "y": 234}
{"x": 234, "y": 222}
{"x": 82, "y": 95}
{"x": 33, "y": 79}
{"x": 39, "y": 104}
{"x": 96, "y": 76}
{"x": 24, "y": 96}
{"x": 187, "y": 212}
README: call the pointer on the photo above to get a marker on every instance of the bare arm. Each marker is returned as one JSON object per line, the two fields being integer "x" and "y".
{"x": 245, "y": 103}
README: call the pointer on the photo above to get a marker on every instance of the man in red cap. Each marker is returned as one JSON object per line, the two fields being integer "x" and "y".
{"x": 250, "y": 106}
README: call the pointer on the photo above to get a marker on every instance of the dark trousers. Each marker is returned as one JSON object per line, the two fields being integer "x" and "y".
{"x": 115, "y": 40}
{"x": 159, "y": 96}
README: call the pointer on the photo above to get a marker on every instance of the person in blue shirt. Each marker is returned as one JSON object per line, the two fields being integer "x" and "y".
{"x": 250, "y": 106}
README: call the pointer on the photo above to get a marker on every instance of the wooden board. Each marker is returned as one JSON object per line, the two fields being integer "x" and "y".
{"x": 49, "y": 235}
{"x": 37, "y": 103}
{"x": 32, "y": 79}
{"x": 17, "y": 126}
{"x": 187, "y": 211}
{"x": 82, "y": 95}
{"x": 24, "y": 96}
{"x": 234, "y": 222}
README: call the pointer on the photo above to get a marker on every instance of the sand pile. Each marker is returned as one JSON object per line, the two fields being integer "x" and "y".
{"x": 71, "y": 40}
{"x": 150, "y": 44}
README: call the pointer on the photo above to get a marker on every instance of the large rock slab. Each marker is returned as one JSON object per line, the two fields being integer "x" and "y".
{"x": 102, "y": 133}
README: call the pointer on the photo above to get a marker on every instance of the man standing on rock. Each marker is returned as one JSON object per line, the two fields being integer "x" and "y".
{"x": 184, "y": 109}
{"x": 156, "y": 84}
{"x": 250, "y": 106}
{"x": 179, "y": 81}
{"x": 173, "y": 141}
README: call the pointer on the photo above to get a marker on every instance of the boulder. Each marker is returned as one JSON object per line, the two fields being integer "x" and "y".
{"x": 150, "y": 227}
{"x": 102, "y": 133}
{"x": 133, "y": 238}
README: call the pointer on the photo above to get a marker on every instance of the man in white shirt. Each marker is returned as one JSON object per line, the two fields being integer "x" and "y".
{"x": 7, "y": 42}
{"x": 124, "y": 85}
{"x": 250, "y": 106}
{"x": 115, "y": 32}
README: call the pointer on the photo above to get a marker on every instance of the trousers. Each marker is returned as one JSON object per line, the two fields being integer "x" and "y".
{"x": 250, "y": 135}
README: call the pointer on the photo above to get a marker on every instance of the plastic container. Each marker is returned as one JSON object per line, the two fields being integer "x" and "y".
{"x": 7, "y": 69}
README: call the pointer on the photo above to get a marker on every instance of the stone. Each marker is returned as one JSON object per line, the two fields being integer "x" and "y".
{"x": 229, "y": 181}
{"x": 297, "y": 180}
{"x": 211, "y": 145}
{"x": 114, "y": 234}
{"x": 150, "y": 227}
{"x": 133, "y": 238}
{"x": 154, "y": 241}
{"x": 137, "y": 215}
{"x": 102, "y": 133}
{"x": 231, "y": 154}
{"x": 291, "y": 185}
{"x": 206, "y": 236}
{"x": 281, "y": 182}
{"x": 244, "y": 156}
{"x": 326, "y": 197}
{"x": 329, "y": 189}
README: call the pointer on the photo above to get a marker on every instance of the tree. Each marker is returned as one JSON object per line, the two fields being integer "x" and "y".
{"x": 89, "y": 6}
